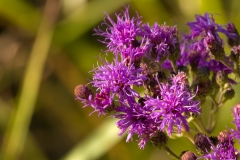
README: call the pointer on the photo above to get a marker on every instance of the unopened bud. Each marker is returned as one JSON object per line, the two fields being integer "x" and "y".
{"x": 221, "y": 78}
{"x": 224, "y": 136}
{"x": 203, "y": 88}
{"x": 159, "y": 140}
{"x": 203, "y": 73}
{"x": 188, "y": 155}
{"x": 183, "y": 69}
{"x": 161, "y": 76}
{"x": 174, "y": 52}
{"x": 214, "y": 140}
{"x": 81, "y": 91}
{"x": 215, "y": 47}
{"x": 235, "y": 53}
{"x": 202, "y": 143}
{"x": 236, "y": 109}
{"x": 229, "y": 93}
{"x": 232, "y": 29}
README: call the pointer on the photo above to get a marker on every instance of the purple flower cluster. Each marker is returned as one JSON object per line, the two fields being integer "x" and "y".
{"x": 174, "y": 105}
{"x": 146, "y": 85}
{"x": 224, "y": 149}
{"x": 165, "y": 106}
{"x": 236, "y": 121}
{"x": 203, "y": 45}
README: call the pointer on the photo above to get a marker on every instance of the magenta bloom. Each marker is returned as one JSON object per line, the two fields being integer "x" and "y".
{"x": 118, "y": 78}
{"x": 224, "y": 149}
{"x": 163, "y": 40}
{"x": 236, "y": 121}
{"x": 120, "y": 34}
{"x": 174, "y": 105}
{"x": 135, "y": 119}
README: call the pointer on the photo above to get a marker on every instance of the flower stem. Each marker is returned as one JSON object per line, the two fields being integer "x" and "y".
{"x": 199, "y": 124}
{"x": 170, "y": 152}
{"x": 189, "y": 136}
{"x": 174, "y": 66}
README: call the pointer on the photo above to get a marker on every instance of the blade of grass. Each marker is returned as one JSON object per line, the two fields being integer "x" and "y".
{"x": 96, "y": 144}
{"x": 17, "y": 130}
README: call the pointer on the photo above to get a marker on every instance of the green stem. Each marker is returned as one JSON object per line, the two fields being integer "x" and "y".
{"x": 200, "y": 126}
{"x": 189, "y": 136}
{"x": 236, "y": 71}
{"x": 213, "y": 113}
{"x": 174, "y": 66}
{"x": 170, "y": 152}
{"x": 214, "y": 101}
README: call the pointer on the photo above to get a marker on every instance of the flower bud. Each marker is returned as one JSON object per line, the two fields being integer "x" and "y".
{"x": 188, "y": 155}
{"x": 235, "y": 56}
{"x": 204, "y": 88}
{"x": 174, "y": 52}
{"x": 235, "y": 53}
{"x": 202, "y": 143}
{"x": 224, "y": 137}
{"x": 159, "y": 140}
{"x": 229, "y": 94}
{"x": 82, "y": 92}
{"x": 232, "y": 29}
{"x": 221, "y": 78}
{"x": 214, "y": 140}
{"x": 215, "y": 47}
{"x": 181, "y": 78}
{"x": 236, "y": 109}
{"x": 183, "y": 69}
{"x": 161, "y": 76}
{"x": 203, "y": 73}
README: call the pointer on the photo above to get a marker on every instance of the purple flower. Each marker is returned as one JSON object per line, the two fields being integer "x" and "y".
{"x": 204, "y": 33}
{"x": 174, "y": 105}
{"x": 101, "y": 102}
{"x": 236, "y": 121}
{"x": 135, "y": 118}
{"x": 204, "y": 26}
{"x": 224, "y": 149}
{"x": 118, "y": 78}
{"x": 120, "y": 34}
{"x": 197, "y": 55}
{"x": 133, "y": 55}
{"x": 230, "y": 31}
{"x": 163, "y": 40}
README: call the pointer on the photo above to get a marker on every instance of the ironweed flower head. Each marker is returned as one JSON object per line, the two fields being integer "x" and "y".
{"x": 118, "y": 78}
{"x": 135, "y": 118}
{"x": 224, "y": 149}
{"x": 203, "y": 27}
{"x": 120, "y": 34}
{"x": 236, "y": 121}
{"x": 173, "y": 106}
{"x": 163, "y": 41}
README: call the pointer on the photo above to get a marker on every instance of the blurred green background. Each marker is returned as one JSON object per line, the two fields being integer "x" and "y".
{"x": 47, "y": 48}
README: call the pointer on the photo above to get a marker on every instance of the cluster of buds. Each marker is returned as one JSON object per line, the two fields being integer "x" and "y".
{"x": 157, "y": 82}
